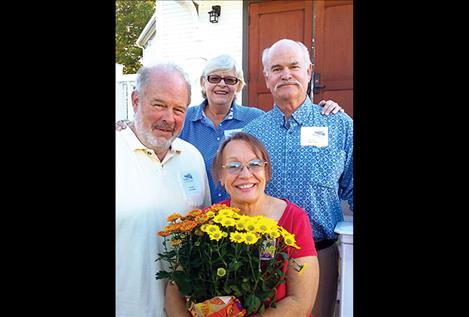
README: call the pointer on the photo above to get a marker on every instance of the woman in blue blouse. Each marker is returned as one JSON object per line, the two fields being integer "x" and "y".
{"x": 219, "y": 115}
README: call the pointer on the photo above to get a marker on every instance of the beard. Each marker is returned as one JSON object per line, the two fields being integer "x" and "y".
{"x": 149, "y": 139}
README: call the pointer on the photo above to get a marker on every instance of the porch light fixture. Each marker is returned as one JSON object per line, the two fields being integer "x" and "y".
{"x": 214, "y": 14}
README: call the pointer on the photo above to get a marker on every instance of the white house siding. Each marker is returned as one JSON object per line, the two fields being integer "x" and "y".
{"x": 124, "y": 86}
{"x": 190, "y": 39}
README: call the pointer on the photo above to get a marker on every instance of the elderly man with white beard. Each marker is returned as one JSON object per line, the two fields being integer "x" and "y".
{"x": 156, "y": 174}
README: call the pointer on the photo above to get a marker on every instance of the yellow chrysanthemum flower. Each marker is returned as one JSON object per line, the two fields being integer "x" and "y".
{"x": 265, "y": 225}
{"x": 241, "y": 224}
{"x": 251, "y": 225}
{"x": 290, "y": 241}
{"x": 237, "y": 237}
{"x": 226, "y": 212}
{"x": 218, "y": 218}
{"x": 250, "y": 238}
{"x": 215, "y": 235}
{"x": 274, "y": 234}
{"x": 212, "y": 229}
{"x": 227, "y": 222}
{"x": 221, "y": 272}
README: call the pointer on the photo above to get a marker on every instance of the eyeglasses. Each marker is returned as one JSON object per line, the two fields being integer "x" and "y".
{"x": 229, "y": 80}
{"x": 253, "y": 166}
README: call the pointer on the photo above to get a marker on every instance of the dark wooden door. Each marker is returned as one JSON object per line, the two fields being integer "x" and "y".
{"x": 269, "y": 22}
{"x": 331, "y": 49}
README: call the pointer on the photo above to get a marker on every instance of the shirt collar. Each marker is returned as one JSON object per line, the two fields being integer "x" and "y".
{"x": 135, "y": 144}
{"x": 301, "y": 114}
{"x": 199, "y": 113}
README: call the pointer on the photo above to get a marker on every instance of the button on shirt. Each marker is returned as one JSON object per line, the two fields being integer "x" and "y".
{"x": 315, "y": 178}
{"x": 199, "y": 131}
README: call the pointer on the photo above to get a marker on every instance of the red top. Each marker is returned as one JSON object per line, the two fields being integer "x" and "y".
{"x": 295, "y": 220}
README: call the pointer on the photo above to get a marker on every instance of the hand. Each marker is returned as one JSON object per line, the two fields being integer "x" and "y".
{"x": 122, "y": 124}
{"x": 330, "y": 106}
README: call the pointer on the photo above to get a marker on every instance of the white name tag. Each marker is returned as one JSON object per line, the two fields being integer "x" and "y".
{"x": 228, "y": 133}
{"x": 190, "y": 183}
{"x": 314, "y": 136}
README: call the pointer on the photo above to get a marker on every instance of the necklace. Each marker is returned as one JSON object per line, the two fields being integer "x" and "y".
{"x": 215, "y": 115}
{"x": 215, "y": 118}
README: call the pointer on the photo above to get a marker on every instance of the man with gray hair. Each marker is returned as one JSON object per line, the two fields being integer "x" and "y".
{"x": 156, "y": 174}
{"x": 311, "y": 154}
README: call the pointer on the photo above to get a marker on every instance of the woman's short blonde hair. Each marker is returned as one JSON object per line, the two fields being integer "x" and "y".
{"x": 222, "y": 63}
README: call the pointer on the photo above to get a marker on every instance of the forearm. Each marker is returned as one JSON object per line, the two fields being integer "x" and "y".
{"x": 301, "y": 291}
{"x": 175, "y": 304}
{"x": 288, "y": 306}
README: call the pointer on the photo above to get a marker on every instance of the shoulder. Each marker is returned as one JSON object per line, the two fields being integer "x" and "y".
{"x": 126, "y": 139}
{"x": 192, "y": 111}
{"x": 259, "y": 120}
{"x": 247, "y": 109}
{"x": 295, "y": 219}
{"x": 265, "y": 127}
{"x": 341, "y": 122}
{"x": 340, "y": 117}
{"x": 246, "y": 114}
{"x": 295, "y": 210}
{"x": 187, "y": 149}
{"x": 121, "y": 141}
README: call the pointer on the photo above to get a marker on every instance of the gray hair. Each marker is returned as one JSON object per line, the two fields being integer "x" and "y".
{"x": 303, "y": 48}
{"x": 223, "y": 63}
{"x": 145, "y": 71}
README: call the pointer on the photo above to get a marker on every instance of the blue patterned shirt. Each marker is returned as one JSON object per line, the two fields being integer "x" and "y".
{"x": 199, "y": 130}
{"x": 315, "y": 178}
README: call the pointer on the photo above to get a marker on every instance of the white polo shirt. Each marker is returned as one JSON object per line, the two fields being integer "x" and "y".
{"x": 147, "y": 192}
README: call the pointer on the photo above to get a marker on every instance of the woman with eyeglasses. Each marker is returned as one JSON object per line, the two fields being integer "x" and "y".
{"x": 219, "y": 115}
{"x": 242, "y": 166}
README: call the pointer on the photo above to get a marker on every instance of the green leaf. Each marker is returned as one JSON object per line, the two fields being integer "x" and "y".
{"x": 236, "y": 290}
{"x": 253, "y": 303}
{"x": 261, "y": 309}
{"x": 183, "y": 282}
{"x": 284, "y": 255}
{"x": 246, "y": 286}
{"x": 268, "y": 294}
{"x": 234, "y": 266}
{"x": 162, "y": 275}
{"x": 196, "y": 262}
{"x": 131, "y": 18}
